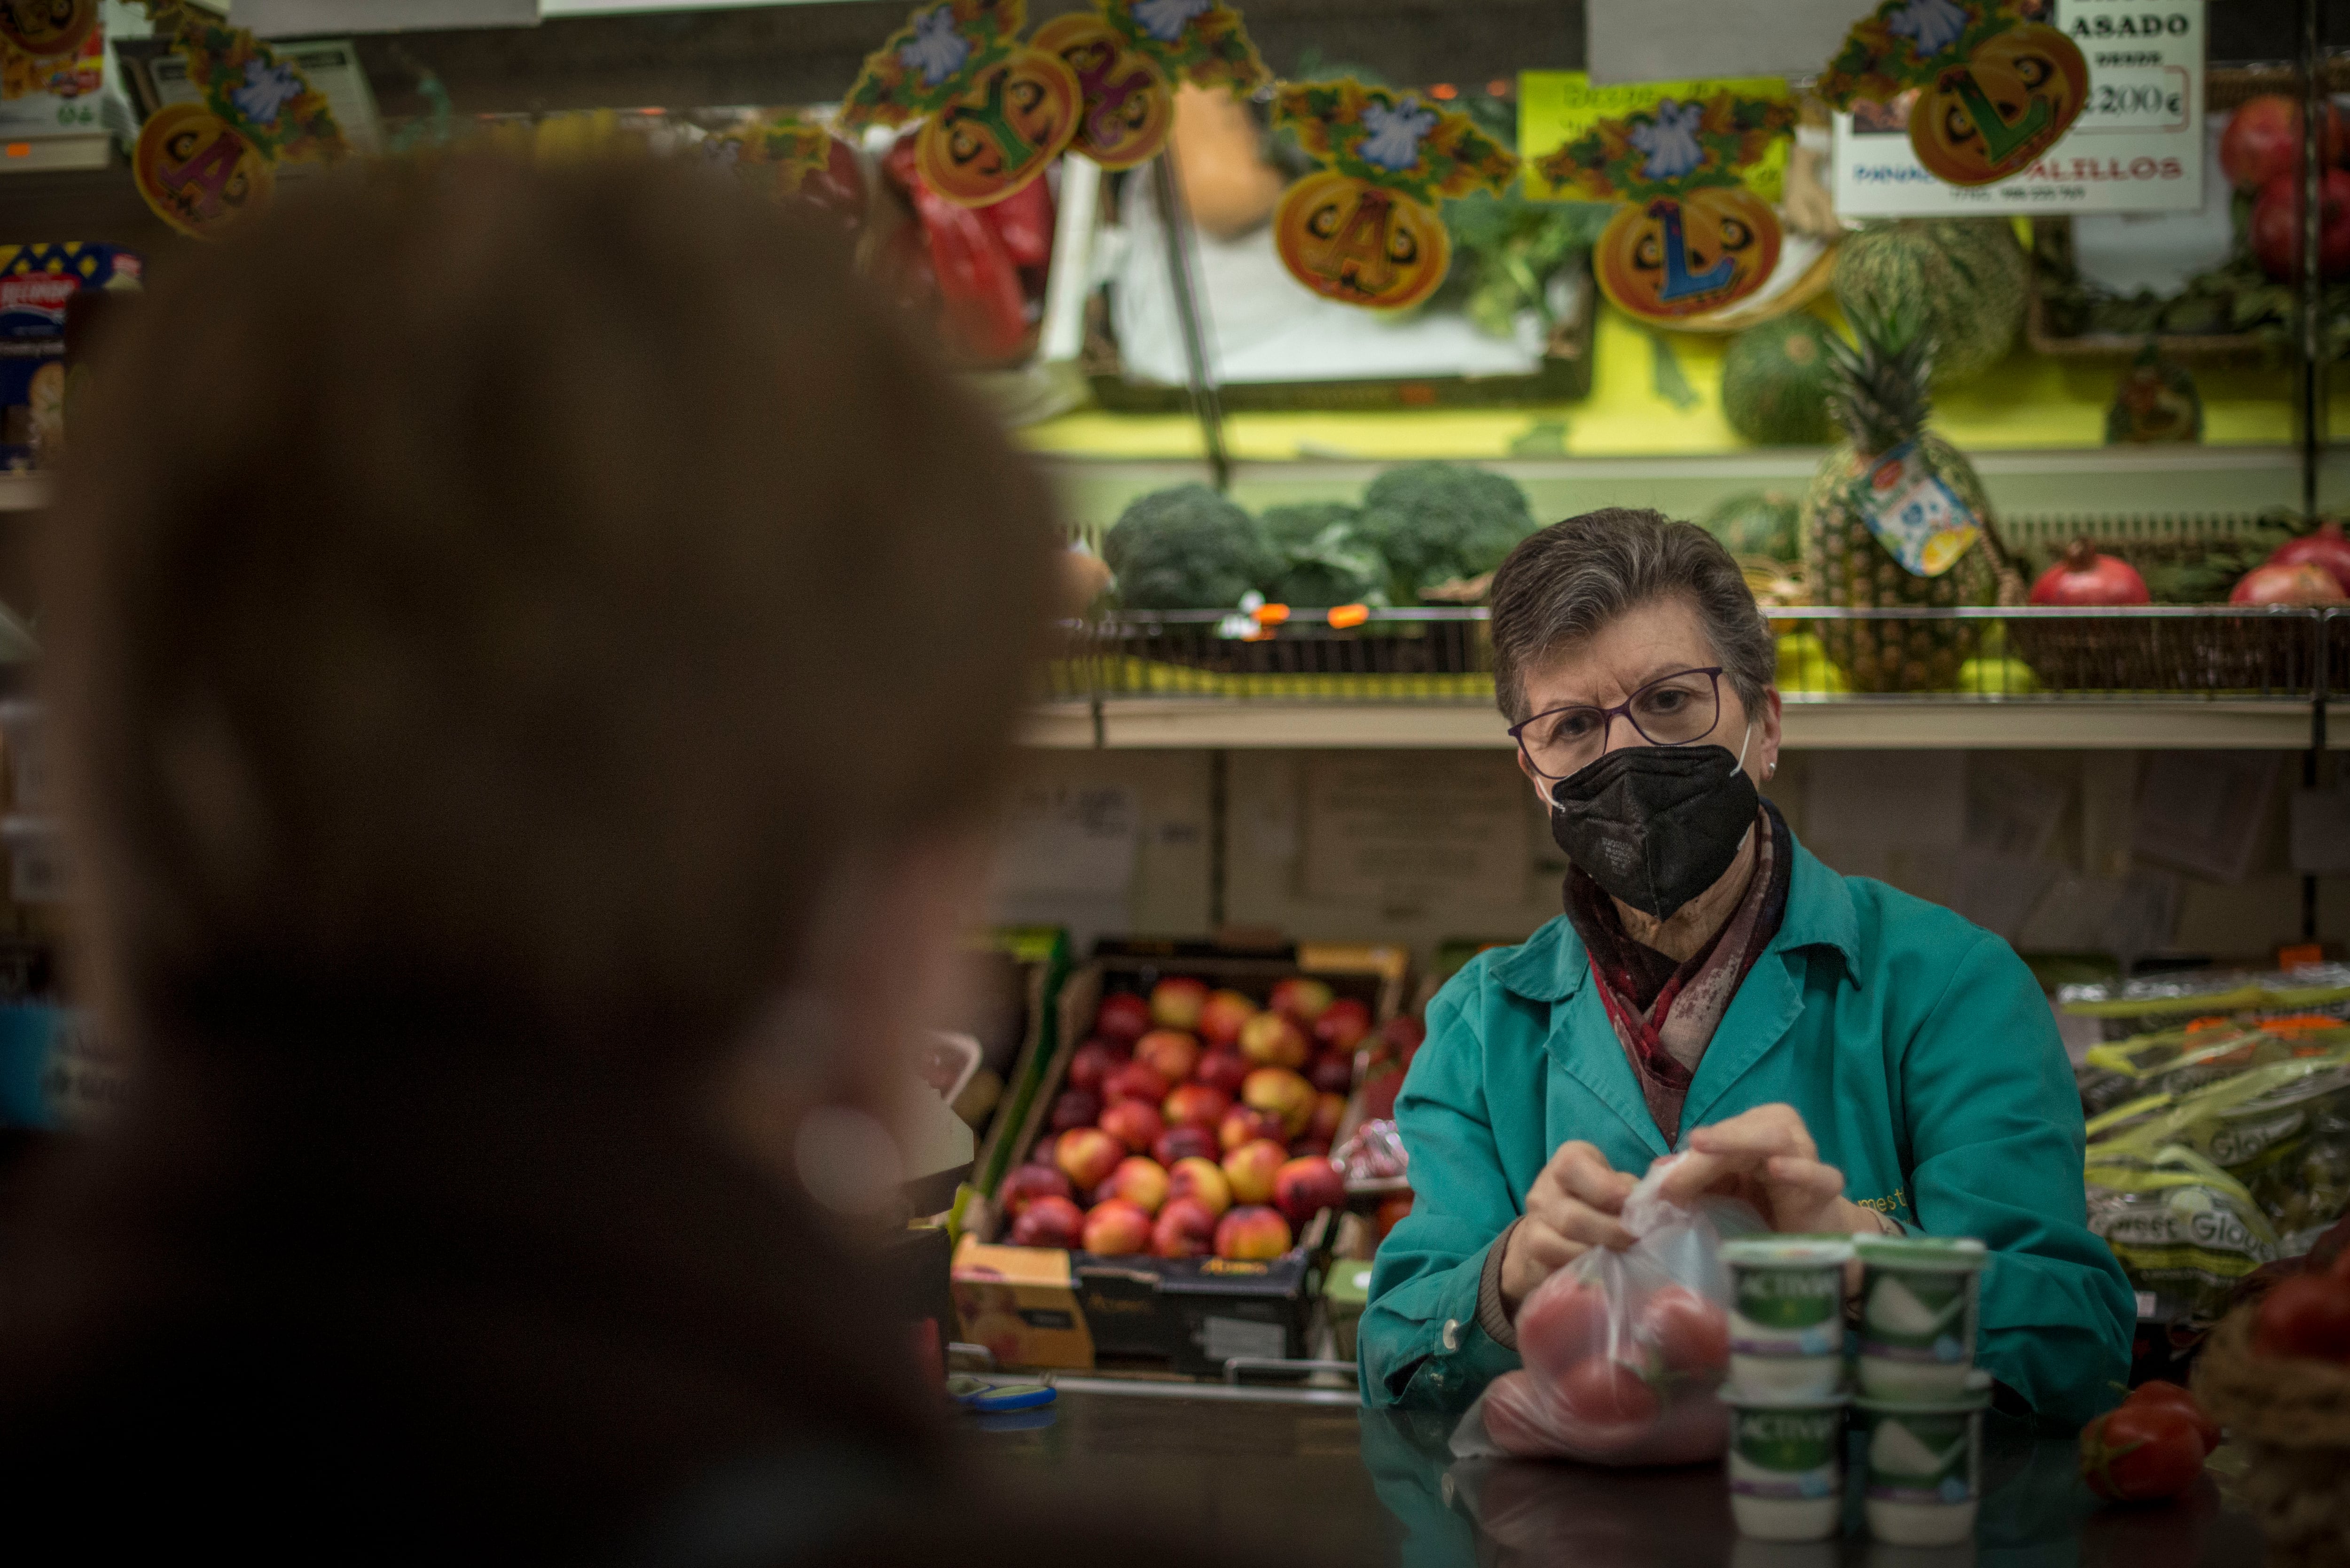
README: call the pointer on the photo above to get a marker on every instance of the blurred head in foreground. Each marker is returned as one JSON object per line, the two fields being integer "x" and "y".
{"x": 525, "y": 644}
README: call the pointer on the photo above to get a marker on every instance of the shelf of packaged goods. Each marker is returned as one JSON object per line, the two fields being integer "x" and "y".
{"x": 25, "y": 492}
{"x": 1171, "y": 723}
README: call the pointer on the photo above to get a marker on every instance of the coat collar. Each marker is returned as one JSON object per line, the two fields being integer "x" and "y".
{"x": 1552, "y": 966}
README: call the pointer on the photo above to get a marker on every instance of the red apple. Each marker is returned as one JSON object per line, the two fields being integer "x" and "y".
{"x": 1075, "y": 1108}
{"x": 1203, "y": 1181}
{"x": 1563, "y": 1322}
{"x": 2264, "y": 140}
{"x": 1252, "y": 1232}
{"x": 1343, "y": 1026}
{"x": 1175, "y": 1003}
{"x": 1140, "y": 1181}
{"x": 1280, "y": 1093}
{"x": 1087, "y": 1155}
{"x": 1170, "y": 1053}
{"x": 1603, "y": 1393}
{"x": 1332, "y": 1074}
{"x": 1303, "y": 1187}
{"x": 1222, "y": 1070}
{"x": 1115, "y": 1227}
{"x": 1123, "y": 1018}
{"x": 1195, "y": 1105}
{"x": 1242, "y": 1124}
{"x": 1134, "y": 1123}
{"x": 1177, "y": 1144}
{"x": 1271, "y": 1040}
{"x": 1023, "y": 1185}
{"x": 1250, "y": 1169}
{"x": 1092, "y": 1061}
{"x": 1391, "y": 1212}
{"x": 1134, "y": 1082}
{"x": 1691, "y": 1333}
{"x": 2276, "y": 225}
{"x": 1222, "y": 1015}
{"x": 1328, "y": 1111}
{"x": 1301, "y": 999}
{"x": 1186, "y": 1229}
{"x": 1049, "y": 1222}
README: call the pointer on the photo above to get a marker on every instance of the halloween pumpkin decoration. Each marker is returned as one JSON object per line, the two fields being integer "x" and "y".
{"x": 198, "y": 172}
{"x": 1689, "y": 238}
{"x": 47, "y": 29}
{"x": 994, "y": 110}
{"x": 1365, "y": 228}
{"x": 995, "y": 137}
{"x": 1994, "y": 91}
{"x": 1129, "y": 107}
{"x": 203, "y": 163}
{"x": 1350, "y": 239}
{"x": 1129, "y": 56}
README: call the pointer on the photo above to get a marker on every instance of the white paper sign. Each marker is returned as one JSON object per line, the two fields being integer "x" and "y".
{"x": 2136, "y": 147}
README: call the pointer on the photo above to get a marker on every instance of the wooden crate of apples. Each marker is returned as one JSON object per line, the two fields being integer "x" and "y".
{"x": 1193, "y": 1122}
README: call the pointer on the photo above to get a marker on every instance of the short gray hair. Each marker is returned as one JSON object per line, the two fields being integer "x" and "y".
{"x": 1562, "y": 585}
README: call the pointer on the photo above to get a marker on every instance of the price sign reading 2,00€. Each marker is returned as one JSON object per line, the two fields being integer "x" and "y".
{"x": 2137, "y": 146}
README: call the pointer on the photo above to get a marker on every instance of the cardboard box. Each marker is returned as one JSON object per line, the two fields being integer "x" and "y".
{"x": 1372, "y": 974}
{"x": 1021, "y": 1302}
{"x": 1193, "y": 1314}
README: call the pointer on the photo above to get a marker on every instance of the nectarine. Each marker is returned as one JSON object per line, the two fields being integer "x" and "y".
{"x": 1271, "y": 1040}
{"x": 1049, "y": 1222}
{"x": 1175, "y": 1003}
{"x": 1075, "y": 1108}
{"x": 1279, "y": 1092}
{"x": 1023, "y": 1185}
{"x": 1252, "y": 1232}
{"x": 1250, "y": 1169}
{"x": 1087, "y": 1155}
{"x": 1303, "y": 1187}
{"x": 1195, "y": 1105}
{"x": 1222, "y": 1015}
{"x": 1201, "y": 1180}
{"x": 1328, "y": 1111}
{"x": 1185, "y": 1230}
{"x": 1122, "y": 1018}
{"x": 1183, "y": 1143}
{"x": 1224, "y": 1070}
{"x": 1115, "y": 1227}
{"x": 1134, "y": 1082}
{"x": 1301, "y": 997}
{"x": 1140, "y": 1181}
{"x": 1170, "y": 1053}
{"x": 1243, "y": 1124}
{"x": 1344, "y": 1025}
{"x": 1134, "y": 1123}
{"x": 1092, "y": 1061}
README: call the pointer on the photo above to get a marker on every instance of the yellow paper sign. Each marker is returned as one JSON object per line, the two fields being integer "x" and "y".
{"x": 1556, "y": 106}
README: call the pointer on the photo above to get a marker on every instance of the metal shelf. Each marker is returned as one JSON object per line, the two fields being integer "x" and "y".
{"x": 1836, "y": 725}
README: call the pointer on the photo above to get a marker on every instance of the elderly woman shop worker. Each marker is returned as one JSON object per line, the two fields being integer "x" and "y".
{"x": 1849, "y": 1057}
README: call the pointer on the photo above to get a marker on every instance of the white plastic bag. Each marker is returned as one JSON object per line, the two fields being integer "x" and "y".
{"x": 1624, "y": 1351}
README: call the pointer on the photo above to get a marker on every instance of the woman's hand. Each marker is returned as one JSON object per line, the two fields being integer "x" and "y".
{"x": 1571, "y": 1209}
{"x": 1766, "y": 1157}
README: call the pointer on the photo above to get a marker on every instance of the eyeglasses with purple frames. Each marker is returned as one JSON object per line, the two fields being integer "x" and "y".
{"x": 1676, "y": 709}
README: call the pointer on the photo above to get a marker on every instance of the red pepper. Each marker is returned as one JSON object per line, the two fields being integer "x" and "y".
{"x": 985, "y": 315}
{"x": 1023, "y": 222}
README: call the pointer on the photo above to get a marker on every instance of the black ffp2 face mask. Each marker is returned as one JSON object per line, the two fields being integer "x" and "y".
{"x": 1655, "y": 825}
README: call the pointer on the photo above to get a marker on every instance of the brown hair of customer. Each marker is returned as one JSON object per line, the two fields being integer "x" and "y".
{"x": 494, "y": 613}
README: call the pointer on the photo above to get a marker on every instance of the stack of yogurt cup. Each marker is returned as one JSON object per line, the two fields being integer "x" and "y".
{"x": 1786, "y": 1390}
{"x": 1921, "y": 1398}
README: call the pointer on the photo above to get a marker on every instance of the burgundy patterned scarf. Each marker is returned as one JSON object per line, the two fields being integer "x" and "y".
{"x": 1665, "y": 1012}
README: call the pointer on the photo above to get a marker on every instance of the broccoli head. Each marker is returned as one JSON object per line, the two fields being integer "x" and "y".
{"x": 1324, "y": 559}
{"x": 1186, "y": 548}
{"x": 1434, "y": 522}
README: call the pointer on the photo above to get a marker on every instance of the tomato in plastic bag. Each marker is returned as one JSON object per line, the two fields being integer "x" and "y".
{"x": 1624, "y": 1351}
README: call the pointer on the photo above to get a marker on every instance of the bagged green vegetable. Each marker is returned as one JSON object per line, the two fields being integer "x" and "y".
{"x": 2185, "y": 1230}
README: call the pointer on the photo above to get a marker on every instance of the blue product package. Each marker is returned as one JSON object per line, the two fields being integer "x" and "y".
{"x": 55, "y": 1072}
{"x": 36, "y": 283}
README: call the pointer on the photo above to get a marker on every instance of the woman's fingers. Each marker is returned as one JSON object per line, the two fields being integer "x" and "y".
{"x": 1581, "y": 1172}
{"x": 1756, "y": 1136}
{"x": 1805, "y": 1176}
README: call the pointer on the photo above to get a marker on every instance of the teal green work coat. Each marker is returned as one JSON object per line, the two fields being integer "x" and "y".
{"x": 1917, "y": 1047}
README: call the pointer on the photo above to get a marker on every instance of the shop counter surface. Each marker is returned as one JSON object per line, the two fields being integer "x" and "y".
{"x": 1329, "y": 1482}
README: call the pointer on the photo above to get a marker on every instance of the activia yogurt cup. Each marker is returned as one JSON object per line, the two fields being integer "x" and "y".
{"x": 1925, "y": 1465}
{"x": 1786, "y": 1466}
{"x": 1786, "y": 1314}
{"x": 1918, "y": 1312}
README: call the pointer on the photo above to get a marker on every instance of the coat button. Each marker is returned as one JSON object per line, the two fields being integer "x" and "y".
{"x": 1451, "y": 1334}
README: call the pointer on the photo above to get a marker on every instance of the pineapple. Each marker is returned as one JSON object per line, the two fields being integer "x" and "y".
{"x": 1881, "y": 401}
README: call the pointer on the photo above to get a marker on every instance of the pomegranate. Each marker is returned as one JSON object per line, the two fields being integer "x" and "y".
{"x": 2325, "y": 547}
{"x": 2084, "y": 577}
{"x": 2304, "y": 583}
{"x": 2264, "y": 140}
{"x": 2276, "y": 225}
